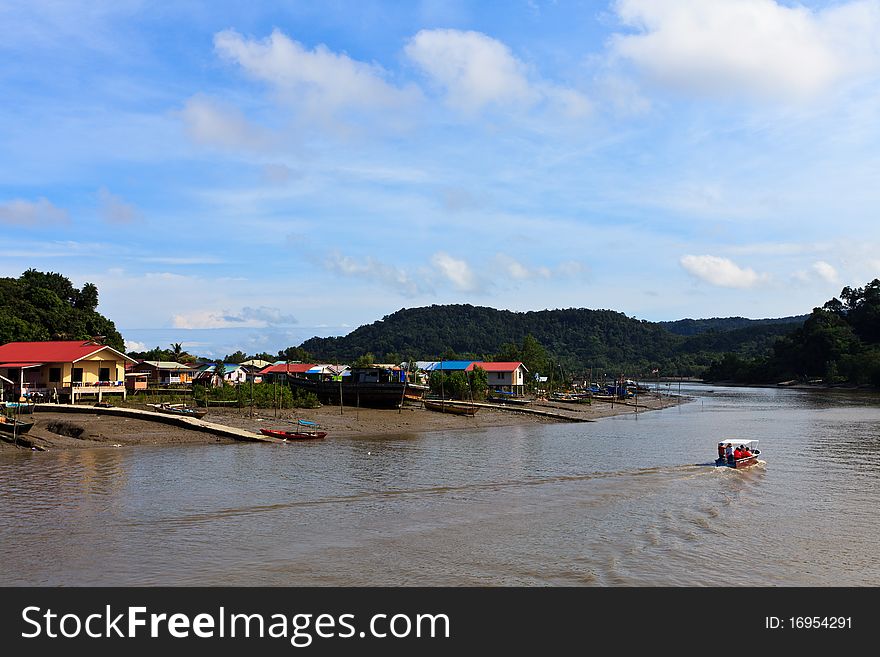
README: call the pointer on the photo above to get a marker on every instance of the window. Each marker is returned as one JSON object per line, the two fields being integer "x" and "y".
{"x": 104, "y": 374}
{"x": 54, "y": 375}
{"x": 77, "y": 375}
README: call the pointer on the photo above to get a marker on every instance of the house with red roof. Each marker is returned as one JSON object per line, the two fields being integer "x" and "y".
{"x": 64, "y": 370}
{"x": 508, "y": 376}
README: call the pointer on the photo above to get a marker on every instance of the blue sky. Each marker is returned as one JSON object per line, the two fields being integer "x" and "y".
{"x": 246, "y": 175}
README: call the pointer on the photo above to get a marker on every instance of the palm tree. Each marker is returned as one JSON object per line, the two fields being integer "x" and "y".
{"x": 177, "y": 350}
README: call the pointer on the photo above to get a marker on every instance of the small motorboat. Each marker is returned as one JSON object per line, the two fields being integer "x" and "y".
{"x": 178, "y": 409}
{"x": 730, "y": 462}
{"x": 305, "y": 430}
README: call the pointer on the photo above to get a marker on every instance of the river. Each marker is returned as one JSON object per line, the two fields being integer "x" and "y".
{"x": 625, "y": 501}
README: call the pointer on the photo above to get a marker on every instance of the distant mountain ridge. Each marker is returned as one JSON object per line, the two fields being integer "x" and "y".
{"x": 577, "y": 338}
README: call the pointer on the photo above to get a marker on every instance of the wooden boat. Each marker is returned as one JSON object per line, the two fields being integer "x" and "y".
{"x": 10, "y": 426}
{"x": 569, "y": 398}
{"x": 507, "y": 398}
{"x": 751, "y": 445}
{"x": 304, "y": 430}
{"x": 178, "y": 409}
{"x": 376, "y": 386}
{"x": 446, "y": 406}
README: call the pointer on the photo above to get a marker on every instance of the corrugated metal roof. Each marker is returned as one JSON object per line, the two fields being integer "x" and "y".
{"x": 67, "y": 351}
{"x": 284, "y": 368}
{"x": 167, "y": 365}
{"x": 452, "y": 365}
{"x": 500, "y": 367}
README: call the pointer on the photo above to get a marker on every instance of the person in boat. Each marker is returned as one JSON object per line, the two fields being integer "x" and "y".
{"x": 728, "y": 452}
{"x": 721, "y": 450}
{"x": 745, "y": 452}
{"x": 737, "y": 453}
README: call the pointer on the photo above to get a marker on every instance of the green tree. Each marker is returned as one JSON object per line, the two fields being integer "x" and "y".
{"x": 237, "y": 357}
{"x": 365, "y": 360}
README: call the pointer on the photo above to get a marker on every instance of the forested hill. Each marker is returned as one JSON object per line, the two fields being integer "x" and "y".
{"x": 576, "y": 338}
{"x": 695, "y": 326}
{"x": 46, "y": 306}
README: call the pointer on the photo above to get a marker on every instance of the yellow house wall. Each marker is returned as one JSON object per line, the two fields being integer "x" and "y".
{"x": 90, "y": 367}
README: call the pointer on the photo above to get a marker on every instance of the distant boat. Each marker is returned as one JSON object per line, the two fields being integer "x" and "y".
{"x": 571, "y": 398}
{"x": 375, "y": 387}
{"x": 178, "y": 409}
{"x": 304, "y": 430}
{"x": 446, "y": 406}
{"x": 503, "y": 397}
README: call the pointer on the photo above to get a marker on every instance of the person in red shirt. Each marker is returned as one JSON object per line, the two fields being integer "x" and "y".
{"x": 737, "y": 454}
{"x": 746, "y": 453}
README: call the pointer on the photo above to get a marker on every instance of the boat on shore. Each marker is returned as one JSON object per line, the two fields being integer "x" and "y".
{"x": 10, "y": 427}
{"x": 508, "y": 398}
{"x": 725, "y": 462}
{"x": 446, "y": 406}
{"x": 379, "y": 386}
{"x": 179, "y": 409}
{"x": 304, "y": 430}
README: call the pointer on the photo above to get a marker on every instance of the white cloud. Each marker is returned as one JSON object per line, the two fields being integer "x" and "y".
{"x": 720, "y": 271}
{"x": 115, "y": 210}
{"x": 133, "y": 345}
{"x": 516, "y": 270}
{"x": 19, "y": 212}
{"x": 755, "y": 47}
{"x": 260, "y": 317}
{"x": 390, "y": 276}
{"x": 456, "y": 271}
{"x": 208, "y": 122}
{"x": 278, "y": 174}
{"x": 318, "y": 80}
{"x": 476, "y": 71}
{"x": 826, "y": 272}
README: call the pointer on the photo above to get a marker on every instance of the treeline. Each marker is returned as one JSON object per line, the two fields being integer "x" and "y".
{"x": 838, "y": 343}
{"x": 574, "y": 340}
{"x": 39, "y": 306}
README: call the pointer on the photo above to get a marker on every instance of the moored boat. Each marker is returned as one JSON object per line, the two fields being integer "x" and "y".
{"x": 178, "y": 409}
{"x": 304, "y": 430}
{"x": 10, "y": 426}
{"x": 730, "y": 461}
{"x": 378, "y": 386}
{"x": 446, "y": 406}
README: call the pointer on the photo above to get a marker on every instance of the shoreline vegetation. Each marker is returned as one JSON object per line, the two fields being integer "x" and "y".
{"x": 102, "y": 430}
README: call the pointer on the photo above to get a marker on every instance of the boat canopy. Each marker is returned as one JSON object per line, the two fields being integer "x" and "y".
{"x": 736, "y": 442}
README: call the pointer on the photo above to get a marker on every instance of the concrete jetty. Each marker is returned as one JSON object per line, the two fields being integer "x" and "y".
{"x": 180, "y": 421}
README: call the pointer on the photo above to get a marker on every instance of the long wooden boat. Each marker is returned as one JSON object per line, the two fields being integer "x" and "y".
{"x": 179, "y": 409}
{"x": 367, "y": 394}
{"x": 505, "y": 399}
{"x": 285, "y": 434}
{"x": 445, "y": 406}
{"x": 10, "y": 426}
